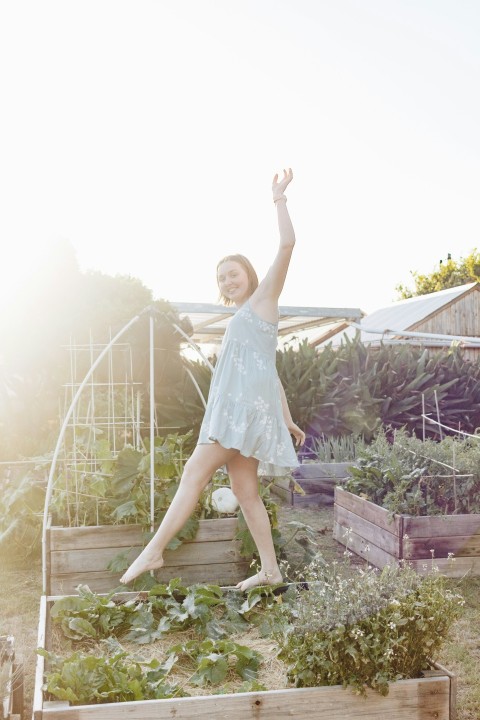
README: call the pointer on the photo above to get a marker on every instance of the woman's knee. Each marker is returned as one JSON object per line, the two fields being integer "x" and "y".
{"x": 194, "y": 475}
{"x": 246, "y": 492}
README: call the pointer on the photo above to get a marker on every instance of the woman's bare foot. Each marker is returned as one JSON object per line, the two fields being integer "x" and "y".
{"x": 143, "y": 563}
{"x": 261, "y": 578}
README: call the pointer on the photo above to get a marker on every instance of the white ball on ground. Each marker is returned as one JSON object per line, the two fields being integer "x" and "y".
{"x": 224, "y": 501}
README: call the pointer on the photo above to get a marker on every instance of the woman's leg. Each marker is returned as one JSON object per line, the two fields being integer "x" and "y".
{"x": 244, "y": 480}
{"x": 198, "y": 470}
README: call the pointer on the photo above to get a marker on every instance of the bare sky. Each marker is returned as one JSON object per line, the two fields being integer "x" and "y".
{"x": 146, "y": 133}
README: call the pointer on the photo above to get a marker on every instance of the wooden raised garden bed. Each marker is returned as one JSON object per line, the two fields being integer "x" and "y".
{"x": 432, "y": 696}
{"x": 317, "y": 480}
{"x": 80, "y": 556}
{"x": 385, "y": 538}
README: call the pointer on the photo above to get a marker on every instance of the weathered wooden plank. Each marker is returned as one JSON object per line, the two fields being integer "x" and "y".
{"x": 65, "y": 538}
{"x": 460, "y": 546}
{"x": 457, "y": 568}
{"x": 322, "y": 470}
{"x": 373, "y": 554}
{"x": 104, "y": 582}
{"x": 312, "y": 500}
{"x": 441, "y": 525}
{"x": 214, "y": 573}
{"x": 453, "y": 689}
{"x": 368, "y": 510}
{"x": 40, "y": 664}
{"x": 457, "y": 534}
{"x": 296, "y": 499}
{"x": 369, "y": 531}
{"x": 315, "y": 485}
{"x": 97, "y": 559}
{"x": 422, "y": 699}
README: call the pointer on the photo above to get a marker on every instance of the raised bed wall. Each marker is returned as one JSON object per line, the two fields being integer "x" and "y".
{"x": 81, "y": 556}
{"x": 385, "y": 538}
{"x": 317, "y": 480}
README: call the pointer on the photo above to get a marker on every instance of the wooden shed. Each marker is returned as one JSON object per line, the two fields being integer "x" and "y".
{"x": 435, "y": 320}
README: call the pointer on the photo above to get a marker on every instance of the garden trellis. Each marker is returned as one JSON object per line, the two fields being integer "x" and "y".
{"x": 126, "y": 424}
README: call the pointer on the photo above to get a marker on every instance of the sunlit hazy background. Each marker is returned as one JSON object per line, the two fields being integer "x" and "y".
{"x": 146, "y": 133}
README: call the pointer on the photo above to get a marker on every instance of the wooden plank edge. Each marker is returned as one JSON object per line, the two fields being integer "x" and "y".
{"x": 369, "y": 531}
{"x": 333, "y": 699}
{"x": 40, "y": 664}
{"x": 368, "y": 510}
{"x": 453, "y": 689}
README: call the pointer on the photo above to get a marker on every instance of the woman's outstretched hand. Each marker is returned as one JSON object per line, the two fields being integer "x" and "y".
{"x": 279, "y": 186}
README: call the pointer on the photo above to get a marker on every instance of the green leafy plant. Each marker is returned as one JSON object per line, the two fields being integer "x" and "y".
{"x": 211, "y": 660}
{"x": 406, "y": 475}
{"x": 87, "y": 679}
{"x": 22, "y": 499}
{"x": 354, "y": 390}
{"x": 364, "y": 629}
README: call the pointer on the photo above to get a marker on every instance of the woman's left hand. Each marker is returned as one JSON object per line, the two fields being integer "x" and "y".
{"x": 298, "y": 434}
{"x": 279, "y": 187}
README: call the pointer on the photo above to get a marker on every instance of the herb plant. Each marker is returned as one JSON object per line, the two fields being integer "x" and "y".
{"x": 364, "y": 629}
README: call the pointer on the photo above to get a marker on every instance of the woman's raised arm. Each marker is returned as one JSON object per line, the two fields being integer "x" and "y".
{"x": 265, "y": 299}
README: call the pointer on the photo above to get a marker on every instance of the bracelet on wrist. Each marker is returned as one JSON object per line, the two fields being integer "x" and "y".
{"x": 280, "y": 197}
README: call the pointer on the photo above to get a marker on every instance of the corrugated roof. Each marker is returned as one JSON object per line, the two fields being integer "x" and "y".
{"x": 209, "y": 321}
{"x": 401, "y": 315}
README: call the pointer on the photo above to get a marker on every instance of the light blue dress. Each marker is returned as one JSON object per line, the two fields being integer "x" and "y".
{"x": 244, "y": 409}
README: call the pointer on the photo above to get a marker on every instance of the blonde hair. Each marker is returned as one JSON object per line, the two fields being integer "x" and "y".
{"x": 249, "y": 269}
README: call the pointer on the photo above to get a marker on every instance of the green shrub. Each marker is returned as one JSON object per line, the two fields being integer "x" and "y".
{"x": 356, "y": 390}
{"x": 407, "y": 475}
{"x": 365, "y": 628}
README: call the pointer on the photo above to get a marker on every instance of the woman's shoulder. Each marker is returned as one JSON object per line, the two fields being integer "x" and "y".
{"x": 264, "y": 306}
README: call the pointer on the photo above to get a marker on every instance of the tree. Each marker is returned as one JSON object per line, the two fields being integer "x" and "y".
{"x": 450, "y": 273}
{"x": 56, "y": 306}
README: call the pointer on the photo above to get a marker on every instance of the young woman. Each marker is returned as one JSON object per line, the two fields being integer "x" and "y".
{"x": 247, "y": 421}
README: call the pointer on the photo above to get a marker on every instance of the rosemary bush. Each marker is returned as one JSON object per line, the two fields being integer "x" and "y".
{"x": 336, "y": 449}
{"x": 364, "y": 628}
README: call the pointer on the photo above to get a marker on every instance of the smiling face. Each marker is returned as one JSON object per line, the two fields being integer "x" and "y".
{"x": 233, "y": 282}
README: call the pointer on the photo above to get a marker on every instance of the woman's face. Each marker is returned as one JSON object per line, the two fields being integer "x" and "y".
{"x": 233, "y": 282}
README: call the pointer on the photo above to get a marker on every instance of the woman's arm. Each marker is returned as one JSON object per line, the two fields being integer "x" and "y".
{"x": 293, "y": 429}
{"x": 265, "y": 299}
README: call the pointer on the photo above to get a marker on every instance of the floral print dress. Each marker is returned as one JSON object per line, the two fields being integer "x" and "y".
{"x": 244, "y": 409}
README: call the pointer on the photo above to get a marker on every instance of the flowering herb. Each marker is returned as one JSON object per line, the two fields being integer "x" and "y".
{"x": 364, "y": 628}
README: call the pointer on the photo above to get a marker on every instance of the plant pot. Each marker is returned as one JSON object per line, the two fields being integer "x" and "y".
{"x": 431, "y": 696}
{"x": 384, "y": 538}
{"x": 81, "y": 556}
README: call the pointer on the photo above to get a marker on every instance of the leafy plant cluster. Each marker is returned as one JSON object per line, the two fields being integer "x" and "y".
{"x": 214, "y": 615}
{"x": 22, "y": 499}
{"x": 407, "y": 475}
{"x": 365, "y": 629}
{"x": 117, "y": 491}
{"x": 355, "y": 390}
{"x": 360, "y": 629}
